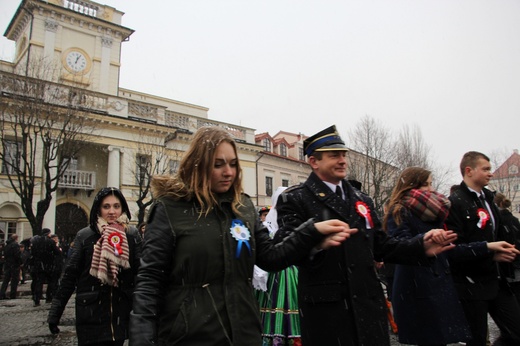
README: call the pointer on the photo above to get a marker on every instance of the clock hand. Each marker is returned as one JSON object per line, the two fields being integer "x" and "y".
{"x": 76, "y": 60}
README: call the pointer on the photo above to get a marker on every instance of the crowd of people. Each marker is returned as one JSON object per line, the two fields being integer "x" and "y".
{"x": 190, "y": 278}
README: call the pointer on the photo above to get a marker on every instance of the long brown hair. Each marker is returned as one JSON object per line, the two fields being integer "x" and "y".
{"x": 410, "y": 178}
{"x": 193, "y": 179}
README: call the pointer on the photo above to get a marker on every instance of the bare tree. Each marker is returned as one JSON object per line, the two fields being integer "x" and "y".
{"x": 372, "y": 162}
{"x": 152, "y": 158}
{"x": 42, "y": 126}
{"x": 413, "y": 151}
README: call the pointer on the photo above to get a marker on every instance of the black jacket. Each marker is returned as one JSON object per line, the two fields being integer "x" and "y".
{"x": 339, "y": 294}
{"x": 43, "y": 251}
{"x": 102, "y": 311}
{"x": 13, "y": 255}
{"x": 194, "y": 284}
{"x": 475, "y": 276}
{"x": 510, "y": 232}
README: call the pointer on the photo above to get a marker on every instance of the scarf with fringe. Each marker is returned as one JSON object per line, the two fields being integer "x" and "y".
{"x": 429, "y": 206}
{"x": 111, "y": 251}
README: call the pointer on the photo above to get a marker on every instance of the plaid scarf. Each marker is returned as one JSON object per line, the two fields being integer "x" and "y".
{"x": 111, "y": 251}
{"x": 429, "y": 206}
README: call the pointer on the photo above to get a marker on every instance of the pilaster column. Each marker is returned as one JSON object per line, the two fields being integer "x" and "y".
{"x": 114, "y": 166}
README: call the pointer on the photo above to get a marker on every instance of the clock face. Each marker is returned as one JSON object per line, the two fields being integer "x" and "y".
{"x": 76, "y": 61}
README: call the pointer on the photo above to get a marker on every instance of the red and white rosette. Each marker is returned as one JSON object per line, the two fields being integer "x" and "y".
{"x": 483, "y": 217}
{"x": 115, "y": 240}
{"x": 363, "y": 210}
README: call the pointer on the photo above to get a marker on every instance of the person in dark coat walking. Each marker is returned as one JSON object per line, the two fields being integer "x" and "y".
{"x": 13, "y": 262}
{"x": 340, "y": 297}
{"x": 202, "y": 240}
{"x": 511, "y": 232}
{"x": 43, "y": 251}
{"x": 102, "y": 271}
{"x": 426, "y": 306}
{"x": 56, "y": 270}
{"x": 481, "y": 281}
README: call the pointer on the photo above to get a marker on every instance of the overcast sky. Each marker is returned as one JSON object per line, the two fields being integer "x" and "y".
{"x": 452, "y": 67}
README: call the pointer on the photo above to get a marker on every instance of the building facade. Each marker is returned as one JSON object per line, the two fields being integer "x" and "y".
{"x": 72, "y": 51}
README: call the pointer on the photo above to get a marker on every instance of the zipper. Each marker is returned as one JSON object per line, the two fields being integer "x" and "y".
{"x": 112, "y": 315}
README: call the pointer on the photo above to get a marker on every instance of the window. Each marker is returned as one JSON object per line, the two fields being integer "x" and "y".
{"x": 301, "y": 154}
{"x": 283, "y": 149}
{"x": 142, "y": 171}
{"x": 513, "y": 170}
{"x": 269, "y": 186}
{"x": 267, "y": 144}
{"x": 285, "y": 182}
{"x": 7, "y": 228}
{"x": 73, "y": 164}
{"x": 12, "y": 157}
{"x": 174, "y": 166}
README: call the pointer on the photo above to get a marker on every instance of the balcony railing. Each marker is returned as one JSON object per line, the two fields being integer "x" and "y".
{"x": 73, "y": 179}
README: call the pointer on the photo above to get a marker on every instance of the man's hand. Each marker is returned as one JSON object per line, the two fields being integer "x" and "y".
{"x": 437, "y": 241}
{"x": 337, "y": 232}
{"x": 504, "y": 252}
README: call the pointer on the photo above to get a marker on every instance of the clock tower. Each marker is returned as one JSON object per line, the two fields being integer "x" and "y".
{"x": 79, "y": 39}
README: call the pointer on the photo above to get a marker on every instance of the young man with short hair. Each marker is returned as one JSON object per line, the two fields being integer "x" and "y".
{"x": 480, "y": 274}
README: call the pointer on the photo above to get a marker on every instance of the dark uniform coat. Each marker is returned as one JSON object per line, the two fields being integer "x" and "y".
{"x": 194, "y": 286}
{"x": 340, "y": 297}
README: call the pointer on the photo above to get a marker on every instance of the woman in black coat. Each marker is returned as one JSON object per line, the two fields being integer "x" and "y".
{"x": 426, "y": 307}
{"x": 101, "y": 270}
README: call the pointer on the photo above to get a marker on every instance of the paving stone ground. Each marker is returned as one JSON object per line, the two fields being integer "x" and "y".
{"x": 25, "y": 325}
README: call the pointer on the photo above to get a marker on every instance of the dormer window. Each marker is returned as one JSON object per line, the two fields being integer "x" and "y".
{"x": 267, "y": 145}
{"x": 283, "y": 149}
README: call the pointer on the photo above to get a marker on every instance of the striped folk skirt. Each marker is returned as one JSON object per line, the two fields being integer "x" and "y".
{"x": 279, "y": 309}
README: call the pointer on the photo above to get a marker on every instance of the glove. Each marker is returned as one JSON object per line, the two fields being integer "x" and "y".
{"x": 54, "y": 328}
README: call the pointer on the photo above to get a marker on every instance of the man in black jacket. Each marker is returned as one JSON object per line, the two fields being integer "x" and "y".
{"x": 13, "y": 261}
{"x": 480, "y": 279}
{"x": 43, "y": 252}
{"x": 340, "y": 297}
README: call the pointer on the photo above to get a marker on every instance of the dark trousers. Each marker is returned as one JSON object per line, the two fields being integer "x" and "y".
{"x": 505, "y": 311}
{"x": 11, "y": 275}
{"x": 38, "y": 279}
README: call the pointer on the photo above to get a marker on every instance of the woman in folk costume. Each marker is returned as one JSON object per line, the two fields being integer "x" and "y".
{"x": 425, "y": 302}
{"x": 101, "y": 270}
{"x": 194, "y": 285}
{"x": 279, "y": 301}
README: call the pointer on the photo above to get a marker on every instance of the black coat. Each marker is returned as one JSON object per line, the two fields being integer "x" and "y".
{"x": 340, "y": 297}
{"x": 13, "y": 255}
{"x": 426, "y": 306}
{"x": 511, "y": 233}
{"x": 43, "y": 252}
{"x": 102, "y": 311}
{"x": 474, "y": 271}
{"x": 194, "y": 284}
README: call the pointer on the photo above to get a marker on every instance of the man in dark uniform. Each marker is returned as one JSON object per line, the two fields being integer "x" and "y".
{"x": 340, "y": 297}
{"x": 481, "y": 277}
{"x": 43, "y": 252}
{"x": 13, "y": 262}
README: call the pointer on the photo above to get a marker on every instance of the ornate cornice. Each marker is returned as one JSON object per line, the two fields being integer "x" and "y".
{"x": 51, "y": 25}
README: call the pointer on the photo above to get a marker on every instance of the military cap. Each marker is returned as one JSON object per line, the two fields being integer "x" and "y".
{"x": 325, "y": 140}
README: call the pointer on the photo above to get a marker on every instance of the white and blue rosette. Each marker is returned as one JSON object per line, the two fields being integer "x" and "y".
{"x": 240, "y": 232}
